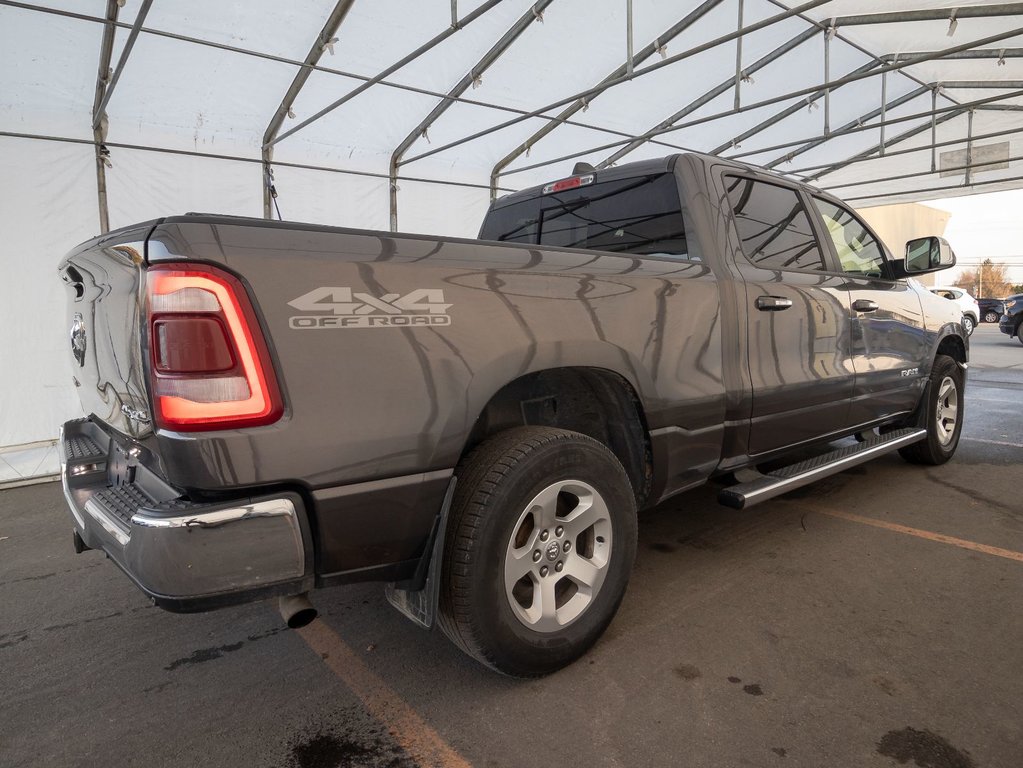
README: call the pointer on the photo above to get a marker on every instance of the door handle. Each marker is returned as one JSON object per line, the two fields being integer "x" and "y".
{"x": 773, "y": 303}
{"x": 864, "y": 305}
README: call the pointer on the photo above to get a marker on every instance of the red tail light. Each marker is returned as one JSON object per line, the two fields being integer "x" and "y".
{"x": 209, "y": 364}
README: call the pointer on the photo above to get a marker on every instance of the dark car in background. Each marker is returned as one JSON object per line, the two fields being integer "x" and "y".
{"x": 991, "y": 310}
{"x": 1012, "y": 317}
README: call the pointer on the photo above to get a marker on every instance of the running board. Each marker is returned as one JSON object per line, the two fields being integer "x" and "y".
{"x": 794, "y": 476}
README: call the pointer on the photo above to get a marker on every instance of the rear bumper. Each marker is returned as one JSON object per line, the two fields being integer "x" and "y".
{"x": 185, "y": 556}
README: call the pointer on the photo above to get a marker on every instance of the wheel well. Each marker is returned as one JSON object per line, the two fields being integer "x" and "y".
{"x": 954, "y": 347}
{"x": 593, "y": 401}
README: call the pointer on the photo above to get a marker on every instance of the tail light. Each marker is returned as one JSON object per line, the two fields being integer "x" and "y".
{"x": 209, "y": 364}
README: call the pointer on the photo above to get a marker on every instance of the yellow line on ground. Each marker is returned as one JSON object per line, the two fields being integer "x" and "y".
{"x": 1009, "y": 554}
{"x": 422, "y": 743}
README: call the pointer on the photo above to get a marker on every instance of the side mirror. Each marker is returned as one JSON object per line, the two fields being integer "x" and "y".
{"x": 928, "y": 254}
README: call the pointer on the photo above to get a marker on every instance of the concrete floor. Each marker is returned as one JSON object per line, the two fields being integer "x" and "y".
{"x": 798, "y": 633}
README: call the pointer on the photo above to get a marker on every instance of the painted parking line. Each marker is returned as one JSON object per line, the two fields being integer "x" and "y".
{"x": 1008, "y": 554}
{"x": 992, "y": 442}
{"x": 420, "y": 741}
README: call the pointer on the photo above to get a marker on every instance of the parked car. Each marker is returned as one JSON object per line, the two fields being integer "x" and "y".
{"x": 276, "y": 406}
{"x": 1012, "y": 318}
{"x": 967, "y": 304}
{"x": 991, "y": 309}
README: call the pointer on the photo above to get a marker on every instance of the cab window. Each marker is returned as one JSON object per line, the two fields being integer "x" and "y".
{"x": 858, "y": 251}
{"x": 773, "y": 225}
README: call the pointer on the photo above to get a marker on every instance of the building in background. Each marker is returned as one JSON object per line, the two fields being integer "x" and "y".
{"x": 896, "y": 224}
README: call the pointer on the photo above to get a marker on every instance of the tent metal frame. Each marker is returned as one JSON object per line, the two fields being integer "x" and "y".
{"x": 880, "y": 66}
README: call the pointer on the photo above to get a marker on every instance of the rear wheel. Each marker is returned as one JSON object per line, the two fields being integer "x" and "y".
{"x": 540, "y": 544}
{"x": 968, "y": 324}
{"x": 944, "y": 410}
{"x": 991, "y": 317}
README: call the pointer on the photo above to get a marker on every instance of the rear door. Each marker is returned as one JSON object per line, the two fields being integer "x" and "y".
{"x": 889, "y": 344}
{"x": 797, "y": 317}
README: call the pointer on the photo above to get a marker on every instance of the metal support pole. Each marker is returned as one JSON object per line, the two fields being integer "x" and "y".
{"x": 322, "y": 42}
{"x": 934, "y": 128}
{"x": 892, "y": 141}
{"x": 100, "y": 112}
{"x": 932, "y": 14}
{"x": 969, "y": 145}
{"x": 615, "y": 77}
{"x": 379, "y": 78}
{"x": 454, "y": 14}
{"x": 827, "y": 78}
{"x": 738, "y": 61}
{"x": 706, "y": 98}
{"x": 474, "y": 76}
{"x": 884, "y": 106}
{"x": 628, "y": 37}
{"x": 99, "y": 127}
{"x": 947, "y": 143}
{"x": 590, "y": 92}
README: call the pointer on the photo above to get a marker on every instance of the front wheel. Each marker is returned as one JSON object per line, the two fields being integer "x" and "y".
{"x": 968, "y": 325}
{"x": 540, "y": 544}
{"x": 944, "y": 409}
{"x": 1019, "y": 333}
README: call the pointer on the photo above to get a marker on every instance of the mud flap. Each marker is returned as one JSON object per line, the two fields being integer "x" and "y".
{"x": 417, "y": 597}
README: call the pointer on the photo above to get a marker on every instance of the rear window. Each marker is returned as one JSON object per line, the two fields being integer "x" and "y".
{"x": 640, "y": 215}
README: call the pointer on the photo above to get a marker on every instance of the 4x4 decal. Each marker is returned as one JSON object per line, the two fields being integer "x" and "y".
{"x": 348, "y": 309}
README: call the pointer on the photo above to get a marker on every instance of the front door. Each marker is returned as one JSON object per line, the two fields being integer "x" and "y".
{"x": 889, "y": 344}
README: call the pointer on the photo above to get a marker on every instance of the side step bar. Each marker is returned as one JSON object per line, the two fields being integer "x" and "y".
{"x": 794, "y": 476}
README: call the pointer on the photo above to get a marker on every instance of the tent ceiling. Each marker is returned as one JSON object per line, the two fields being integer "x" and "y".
{"x": 879, "y": 100}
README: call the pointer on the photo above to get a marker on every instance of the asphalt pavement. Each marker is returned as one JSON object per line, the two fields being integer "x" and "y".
{"x": 872, "y": 619}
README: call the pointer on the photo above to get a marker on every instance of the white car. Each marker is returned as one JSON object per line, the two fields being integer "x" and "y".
{"x": 971, "y": 310}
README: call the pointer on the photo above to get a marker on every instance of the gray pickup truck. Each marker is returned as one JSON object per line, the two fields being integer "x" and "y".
{"x": 276, "y": 406}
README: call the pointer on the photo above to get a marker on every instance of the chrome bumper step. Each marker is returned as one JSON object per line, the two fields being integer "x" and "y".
{"x": 771, "y": 484}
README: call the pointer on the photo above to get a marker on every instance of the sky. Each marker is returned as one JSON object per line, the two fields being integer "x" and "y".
{"x": 984, "y": 226}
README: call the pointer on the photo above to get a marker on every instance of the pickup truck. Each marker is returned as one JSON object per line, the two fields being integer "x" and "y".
{"x": 275, "y": 407}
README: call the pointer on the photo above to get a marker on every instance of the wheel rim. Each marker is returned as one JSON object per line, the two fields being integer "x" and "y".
{"x": 558, "y": 554}
{"x": 968, "y": 325}
{"x": 947, "y": 410}
{"x": 991, "y": 317}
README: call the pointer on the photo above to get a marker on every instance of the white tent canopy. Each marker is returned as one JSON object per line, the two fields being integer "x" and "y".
{"x": 410, "y": 114}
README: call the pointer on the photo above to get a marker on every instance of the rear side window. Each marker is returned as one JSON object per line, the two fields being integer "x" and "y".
{"x": 773, "y": 225}
{"x": 640, "y": 215}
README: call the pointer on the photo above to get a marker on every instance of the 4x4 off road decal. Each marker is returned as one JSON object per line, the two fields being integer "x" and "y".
{"x": 423, "y": 306}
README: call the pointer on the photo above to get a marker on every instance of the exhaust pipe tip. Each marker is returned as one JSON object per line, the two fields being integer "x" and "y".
{"x": 297, "y": 611}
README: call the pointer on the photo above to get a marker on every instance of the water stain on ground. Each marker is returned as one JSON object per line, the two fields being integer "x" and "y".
{"x": 734, "y": 679}
{"x": 351, "y": 741}
{"x": 753, "y": 689}
{"x": 210, "y": 654}
{"x": 687, "y": 671}
{"x": 925, "y": 749}
{"x": 779, "y": 751}
{"x": 662, "y": 547}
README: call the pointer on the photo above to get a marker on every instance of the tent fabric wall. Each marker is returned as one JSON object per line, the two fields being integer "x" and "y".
{"x": 203, "y": 81}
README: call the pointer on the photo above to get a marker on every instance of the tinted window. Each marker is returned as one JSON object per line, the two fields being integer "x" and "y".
{"x": 773, "y": 226}
{"x": 857, "y": 249}
{"x": 640, "y": 215}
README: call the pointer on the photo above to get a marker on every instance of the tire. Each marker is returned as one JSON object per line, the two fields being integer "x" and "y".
{"x": 944, "y": 406}
{"x": 969, "y": 324}
{"x": 991, "y": 317}
{"x": 517, "y": 496}
{"x": 1019, "y": 333}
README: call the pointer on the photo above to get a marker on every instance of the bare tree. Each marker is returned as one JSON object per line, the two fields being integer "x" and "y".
{"x": 989, "y": 279}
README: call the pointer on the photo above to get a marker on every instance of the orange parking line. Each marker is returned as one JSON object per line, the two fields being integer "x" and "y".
{"x": 420, "y": 741}
{"x": 1009, "y": 554}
